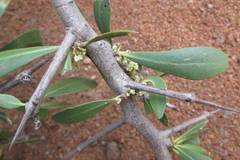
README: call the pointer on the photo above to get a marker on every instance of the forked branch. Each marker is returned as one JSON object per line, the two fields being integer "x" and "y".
{"x": 98, "y": 136}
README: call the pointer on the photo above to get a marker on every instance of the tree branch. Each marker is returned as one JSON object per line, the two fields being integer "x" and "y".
{"x": 96, "y": 137}
{"x": 187, "y": 97}
{"x": 204, "y": 115}
{"x": 32, "y": 107}
{"x": 22, "y": 77}
{"x": 172, "y": 107}
{"x": 101, "y": 54}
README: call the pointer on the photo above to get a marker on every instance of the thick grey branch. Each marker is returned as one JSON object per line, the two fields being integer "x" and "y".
{"x": 33, "y": 105}
{"x": 101, "y": 54}
{"x": 186, "y": 124}
{"x": 22, "y": 77}
{"x": 98, "y": 136}
{"x": 187, "y": 97}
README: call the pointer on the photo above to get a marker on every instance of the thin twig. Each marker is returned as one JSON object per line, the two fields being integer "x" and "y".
{"x": 98, "y": 136}
{"x": 187, "y": 97}
{"x": 32, "y": 107}
{"x": 22, "y": 77}
{"x": 172, "y": 107}
{"x": 186, "y": 124}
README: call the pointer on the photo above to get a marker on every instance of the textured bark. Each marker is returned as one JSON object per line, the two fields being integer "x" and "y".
{"x": 101, "y": 54}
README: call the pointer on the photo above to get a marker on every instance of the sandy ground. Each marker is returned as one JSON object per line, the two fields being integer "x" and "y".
{"x": 161, "y": 25}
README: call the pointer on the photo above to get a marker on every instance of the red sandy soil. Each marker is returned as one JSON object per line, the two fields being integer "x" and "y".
{"x": 161, "y": 25}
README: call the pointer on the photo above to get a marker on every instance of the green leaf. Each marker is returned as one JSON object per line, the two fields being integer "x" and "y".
{"x": 3, "y": 117}
{"x": 194, "y": 63}
{"x": 70, "y": 85}
{"x": 6, "y": 134}
{"x": 187, "y": 154}
{"x": 32, "y": 37}
{"x": 194, "y": 148}
{"x": 9, "y": 102}
{"x": 158, "y": 102}
{"x": 3, "y": 6}
{"x": 190, "y": 136}
{"x": 51, "y": 105}
{"x": 102, "y": 16}
{"x": 23, "y": 141}
{"x": 147, "y": 106}
{"x": 140, "y": 69}
{"x": 109, "y": 35}
{"x": 164, "y": 120}
{"x": 193, "y": 140}
{"x": 67, "y": 64}
{"x": 191, "y": 131}
{"x": 13, "y": 59}
{"x": 43, "y": 111}
{"x": 81, "y": 112}
{"x": 80, "y": 10}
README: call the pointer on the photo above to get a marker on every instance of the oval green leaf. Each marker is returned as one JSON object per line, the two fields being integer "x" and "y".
{"x": 52, "y": 105}
{"x": 67, "y": 64}
{"x": 70, "y": 85}
{"x": 9, "y": 102}
{"x": 79, "y": 8}
{"x": 187, "y": 154}
{"x": 13, "y": 59}
{"x": 6, "y": 134}
{"x": 102, "y": 16}
{"x": 193, "y": 140}
{"x": 147, "y": 106}
{"x": 81, "y": 112}
{"x": 192, "y": 147}
{"x": 3, "y": 117}
{"x": 3, "y": 6}
{"x": 164, "y": 120}
{"x": 191, "y": 131}
{"x": 194, "y": 63}
{"x": 31, "y": 37}
{"x": 109, "y": 35}
{"x": 158, "y": 102}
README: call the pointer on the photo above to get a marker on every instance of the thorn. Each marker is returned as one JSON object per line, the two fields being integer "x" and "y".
{"x": 21, "y": 125}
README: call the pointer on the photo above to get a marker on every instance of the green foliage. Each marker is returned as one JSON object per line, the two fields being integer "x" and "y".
{"x": 81, "y": 112}
{"x": 67, "y": 66}
{"x": 3, "y": 117}
{"x": 194, "y": 63}
{"x": 43, "y": 111}
{"x": 80, "y": 10}
{"x": 9, "y": 102}
{"x": 31, "y": 37}
{"x": 184, "y": 145}
{"x": 164, "y": 120}
{"x": 158, "y": 102}
{"x": 3, "y": 6}
{"x": 109, "y": 35}
{"x": 70, "y": 85}
{"x": 13, "y": 59}
{"x": 6, "y": 134}
{"x": 147, "y": 106}
{"x": 102, "y": 14}
{"x": 189, "y": 154}
{"x": 190, "y": 132}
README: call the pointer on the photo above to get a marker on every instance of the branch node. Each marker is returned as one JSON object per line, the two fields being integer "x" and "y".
{"x": 25, "y": 78}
